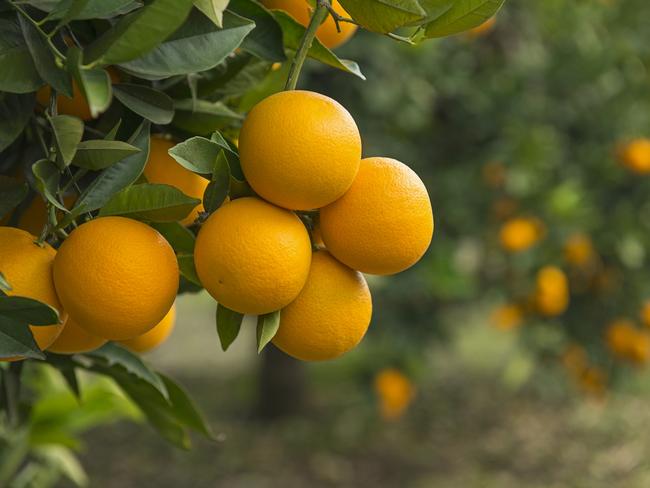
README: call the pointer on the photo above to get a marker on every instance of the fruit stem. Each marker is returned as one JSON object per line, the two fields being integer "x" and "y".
{"x": 317, "y": 18}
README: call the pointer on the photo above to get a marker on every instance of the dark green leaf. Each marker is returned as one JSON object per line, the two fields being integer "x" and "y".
{"x": 187, "y": 268}
{"x": 384, "y": 15}
{"x": 27, "y": 310}
{"x": 67, "y": 367}
{"x": 212, "y": 9}
{"x": 120, "y": 175}
{"x": 115, "y": 355}
{"x": 197, "y": 46}
{"x": 95, "y": 84}
{"x": 293, "y": 33}
{"x": 179, "y": 236}
{"x": 69, "y": 10}
{"x": 267, "y": 327}
{"x": 16, "y": 340}
{"x": 147, "y": 102}
{"x": 203, "y": 117}
{"x": 265, "y": 41}
{"x": 228, "y": 325}
{"x": 18, "y": 73}
{"x": 463, "y": 15}
{"x": 138, "y": 32}
{"x": 44, "y": 60}
{"x": 99, "y": 154}
{"x": 12, "y": 192}
{"x": 217, "y": 190}
{"x": 156, "y": 203}
{"x": 112, "y": 134}
{"x": 68, "y": 132}
{"x": 197, "y": 154}
{"x": 15, "y": 111}
{"x": 47, "y": 181}
{"x": 184, "y": 409}
{"x": 94, "y": 9}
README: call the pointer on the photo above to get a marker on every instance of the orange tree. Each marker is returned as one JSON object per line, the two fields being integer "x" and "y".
{"x": 120, "y": 144}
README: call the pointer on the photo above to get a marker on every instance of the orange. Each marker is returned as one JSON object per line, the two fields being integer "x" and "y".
{"x": 34, "y": 217}
{"x": 507, "y": 317}
{"x": 331, "y": 314}
{"x": 27, "y": 268}
{"x": 74, "y": 339}
{"x": 395, "y": 392}
{"x": 327, "y": 32}
{"x": 384, "y": 223}
{"x": 156, "y": 336}
{"x": 635, "y": 155}
{"x": 116, "y": 277}
{"x": 253, "y": 257}
{"x": 578, "y": 250}
{"x": 520, "y": 233}
{"x": 482, "y": 29}
{"x": 620, "y": 337}
{"x": 299, "y": 149}
{"x": 552, "y": 291}
{"x": 161, "y": 168}
{"x": 645, "y": 313}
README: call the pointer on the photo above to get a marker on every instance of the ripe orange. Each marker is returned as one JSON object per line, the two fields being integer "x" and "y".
{"x": 395, "y": 392}
{"x": 28, "y": 269}
{"x": 161, "y": 168}
{"x": 155, "y": 337}
{"x": 482, "y": 29}
{"x": 520, "y": 233}
{"x": 507, "y": 317}
{"x": 252, "y": 257}
{"x": 552, "y": 291}
{"x": 578, "y": 250}
{"x": 117, "y": 277}
{"x": 331, "y": 314}
{"x": 299, "y": 149}
{"x": 635, "y": 155}
{"x": 75, "y": 339}
{"x": 34, "y": 217}
{"x": 327, "y": 32}
{"x": 384, "y": 223}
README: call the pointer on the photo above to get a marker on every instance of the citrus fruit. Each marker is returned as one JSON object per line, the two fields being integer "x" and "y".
{"x": 507, "y": 317}
{"x": 299, "y": 149}
{"x": 578, "y": 250}
{"x": 34, "y": 217}
{"x": 635, "y": 155}
{"x": 552, "y": 291}
{"x": 395, "y": 392}
{"x": 327, "y": 32}
{"x": 156, "y": 336}
{"x": 161, "y": 168}
{"x": 520, "y": 233}
{"x": 482, "y": 29}
{"x": 383, "y": 224}
{"x": 252, "y": 257}
{"x": 116, "y": 277}
{"x": 74, "y": 339}
{"x": 27, "y": 267}
{"x": 331, "y": 314}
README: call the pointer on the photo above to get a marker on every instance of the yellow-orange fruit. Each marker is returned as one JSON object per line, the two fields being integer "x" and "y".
{"x": 331, "y": 314}
{"x": 117, "y": 277}
{"x": 552, "y": 291}
{"x": 507, "y": 317}
{"x": 155, "y": 337}
{"x": 578, "y": 250}
{"x": 384, "y": 222}
{"x": 299, "y": 149}
{"x": 253, "y": 257}
{"x": 327, "y": 32}
{"x": 161, "y": 168}
{"x": 482, "y": 29}
{"x": 27, "y": 267}
{"x": 395, "y": 393}
{"x": 75, "y": 339}
{"x": 635, "y": 155}
{"x": 521, "y": 233}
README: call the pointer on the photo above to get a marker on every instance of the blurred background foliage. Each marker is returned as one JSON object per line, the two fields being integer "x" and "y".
{"x": 512, "y": 354}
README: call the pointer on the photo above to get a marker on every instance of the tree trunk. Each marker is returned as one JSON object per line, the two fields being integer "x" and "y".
{"x": 283, "y": 386}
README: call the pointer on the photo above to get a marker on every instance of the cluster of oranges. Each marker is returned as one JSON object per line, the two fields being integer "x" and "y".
{"x": 321, "y": 215}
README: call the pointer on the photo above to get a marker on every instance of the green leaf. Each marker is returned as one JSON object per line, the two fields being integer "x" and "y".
{"x": 147, "y": 102}
{"x": 69, "y": 10}
{"x": 383, "y": 15}
{"x": 217, "y": 190}
{"x": 265, "y": 41}
{"x": 187, "y": 268}
{"x": 433, "y": 9}
{"x": 184, "y": 409}
{"x": 463, "y": 15}
{"x": 267, "y": 327}
{"x": 115, "y": 355}
{"x": 16, "y": 340}
{"x": 95, "y": 84}
{"x": 293, "y": 33}
{"x": 67, "y": 368}
{"x": 234, "y": 77}
{"x": 4, "y": 284}
{"x": 197, "y": 46}
{"x": 18, "y": 73}
{"x": 97, "y": 154}
{"x": 196, "y": 154}
{"x": 228, "y": 325}
{"x": 15, "y": 111}
{"x": 47, "y": 181}
{"x": 94, "y": 9}
{"x": 27, "y": 310}
{"x": 68, "y": 132}
{"x": 139, "y": 32}
{"x": 212, "y": 9}
{"x": 44, "y": 60}
{"x": 117, "y": 177}
{"x": 179, "y": 236}
{"x": 203, "y": 117}
{"x": 12, "y": 192}
{"x": 156, "y": 203}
